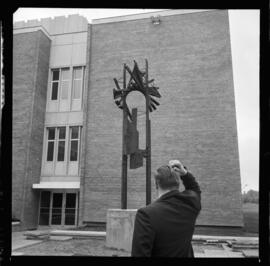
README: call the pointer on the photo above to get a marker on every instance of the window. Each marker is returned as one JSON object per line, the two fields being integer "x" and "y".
{"x": 57, "y": 202}
{"x": 61, "y": 144}
{"x": 77, "y": 82}
{"x": 51, "y": 141}
{"x": 64, "y": 83}
{"x": 74, "y": 143}
{"x": 66, "y": 89}
{"x": 55, "y": 83}
{"x": 62, "y": 75}
{"x": 44, "y": 212}
{"x": 56, "y": 139}
{"x": 58, "y": 208}
{"x": 70, "y": 209}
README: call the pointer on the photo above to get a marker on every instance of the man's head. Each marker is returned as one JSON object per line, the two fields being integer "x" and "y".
{"x": 166, "y": 178}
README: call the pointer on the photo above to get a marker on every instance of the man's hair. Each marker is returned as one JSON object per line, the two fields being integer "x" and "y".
{"x": 167, "y": 178}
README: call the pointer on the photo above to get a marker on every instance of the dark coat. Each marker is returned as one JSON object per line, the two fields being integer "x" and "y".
{"x": 165, "y": 227}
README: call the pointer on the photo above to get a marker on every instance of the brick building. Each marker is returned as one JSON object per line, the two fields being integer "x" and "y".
{"x": 67, "y": 130}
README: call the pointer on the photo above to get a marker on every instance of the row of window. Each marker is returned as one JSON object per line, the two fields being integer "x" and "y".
{"x": 60, "y": 83}
{"x": 60, "y": 139}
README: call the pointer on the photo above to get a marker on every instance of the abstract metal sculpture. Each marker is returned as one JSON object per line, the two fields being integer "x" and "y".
{"x": 138, "y": 81}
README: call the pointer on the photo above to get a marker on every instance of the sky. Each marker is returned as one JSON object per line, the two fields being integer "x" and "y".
{"x": 244, "y": 34}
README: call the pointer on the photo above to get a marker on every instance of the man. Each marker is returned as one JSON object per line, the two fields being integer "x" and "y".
{"x": 165, "y": 227}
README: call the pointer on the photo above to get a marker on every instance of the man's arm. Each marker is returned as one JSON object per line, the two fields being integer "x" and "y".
{"x": 190, "y": 182}
{"x": 143, "y": 235}
{"x": 192, "y": 188}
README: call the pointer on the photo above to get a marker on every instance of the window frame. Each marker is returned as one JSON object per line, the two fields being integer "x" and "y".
{"x": 78, "y": 143}
{"x": 67, "y": 146}
{"x": 55, "y": 81}
{"x": 61, "y": 140}
{"x": 77, "y": 79}
{"x": 47, "y": 144}
{"x": 54, "y": 101}
{"x": 64, "y": 80}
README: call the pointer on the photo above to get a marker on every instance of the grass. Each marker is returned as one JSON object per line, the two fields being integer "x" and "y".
{"x": 251, "y": 218}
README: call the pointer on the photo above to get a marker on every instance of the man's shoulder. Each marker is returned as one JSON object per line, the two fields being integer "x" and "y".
{"x": 149, "y": 208}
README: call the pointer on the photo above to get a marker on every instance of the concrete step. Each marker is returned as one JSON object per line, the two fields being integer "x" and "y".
{"x": 60, "y": 238}
{"x": 241, "y": 247}
{"x": 225, "y": 238}
{"x": 36, "y": 233}
{"x": 42, "y": 237}
{"x": 222, "y": 254}
{"x": 78, "y": 233}
{"x": 250, "y": 253}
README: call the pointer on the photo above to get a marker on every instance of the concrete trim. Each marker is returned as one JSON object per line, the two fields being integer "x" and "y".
{"x": 31, "y": 29}
{"x": 72, "y": 32}
{"x": 148, "y": 15}
{"x": 57, "y": 185}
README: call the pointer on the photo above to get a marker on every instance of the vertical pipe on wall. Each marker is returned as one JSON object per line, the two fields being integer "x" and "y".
{"x": 148, "y": 140}
{"x": 124, "y": 150}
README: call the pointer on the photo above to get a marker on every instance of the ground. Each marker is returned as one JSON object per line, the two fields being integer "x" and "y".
{"x": 87, "y": 247}
{"x": 96, "y": 246}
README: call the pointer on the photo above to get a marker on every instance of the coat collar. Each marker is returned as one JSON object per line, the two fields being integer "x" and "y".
{"x": 169, "y": 194}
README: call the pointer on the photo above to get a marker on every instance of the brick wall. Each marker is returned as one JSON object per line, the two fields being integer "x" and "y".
{"x": 190, "y": 58}
{"x": 31, "y": 53}
{"x": 84, "y": 143}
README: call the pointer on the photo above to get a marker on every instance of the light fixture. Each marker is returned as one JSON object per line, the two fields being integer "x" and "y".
{"x": 156, "y": 20}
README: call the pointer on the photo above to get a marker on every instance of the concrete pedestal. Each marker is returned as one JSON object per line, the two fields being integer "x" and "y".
{"x": 119, "y": 228}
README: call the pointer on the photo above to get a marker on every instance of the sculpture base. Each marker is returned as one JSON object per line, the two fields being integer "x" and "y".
{"x": 119, "y": 228}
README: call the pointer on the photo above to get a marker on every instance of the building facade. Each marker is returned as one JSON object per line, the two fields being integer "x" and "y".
{"x": 67, "y": 130}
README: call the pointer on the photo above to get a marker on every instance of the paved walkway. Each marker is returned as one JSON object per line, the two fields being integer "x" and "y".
{"x": 19, "y": 241}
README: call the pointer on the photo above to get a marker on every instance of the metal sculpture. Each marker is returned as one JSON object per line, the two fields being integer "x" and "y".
{"x": 138, "y": 81}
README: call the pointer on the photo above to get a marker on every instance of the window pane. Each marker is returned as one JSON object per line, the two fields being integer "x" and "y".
{"x": 78, "y": 73}
{"x": 57, "y": 208}
{"x": 77, "y": 89}
{"x": 57, "y": 200}
{"x": 74, "y": 132}
{"x": 44, "y": 218}
{"x": 61, "y": 151}
{"x": 64, "y": 91}
{"x": 56, "y": 219}
{"x": 74, "y": 150}
{"x": 45, "y": 199}
{"x": 70, "y": 219}
{"x": 44, "y": 210}
{"x": 70, "y": 200}
{"x": 54, "y": 90}
{"x": 65, "y": 74}
{"x": 55, "y": 74}
{"x": 62, "y": 133}
{"x": 51, "y": 134}
{"x": 50, "y": 151}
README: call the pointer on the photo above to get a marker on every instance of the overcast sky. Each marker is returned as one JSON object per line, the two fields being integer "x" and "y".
{"x": 244, "y": 30}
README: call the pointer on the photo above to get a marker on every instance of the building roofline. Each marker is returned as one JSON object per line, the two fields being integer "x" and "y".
{"x": 31, "y": 29}
{"x": 169, "y": 12}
